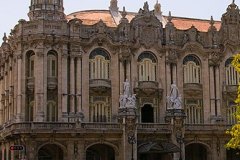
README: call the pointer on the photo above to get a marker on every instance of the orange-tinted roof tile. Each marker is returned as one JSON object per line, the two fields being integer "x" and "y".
{"x": 93, "y": 16}
{"x": 186, "y": 23}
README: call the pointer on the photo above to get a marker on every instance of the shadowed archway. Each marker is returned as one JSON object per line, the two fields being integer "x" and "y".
{"x": 50, "y": 152}
{"x": 100, "y": 152}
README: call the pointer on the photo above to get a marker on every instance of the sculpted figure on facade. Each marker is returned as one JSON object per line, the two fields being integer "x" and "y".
{"x": 174, "y": 100}
{"x": 126, "y": 99}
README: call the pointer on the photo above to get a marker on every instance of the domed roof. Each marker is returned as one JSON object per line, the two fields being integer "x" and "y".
{"x": 90, "y": 17}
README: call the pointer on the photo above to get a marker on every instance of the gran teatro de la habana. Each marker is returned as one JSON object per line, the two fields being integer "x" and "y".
{"x": 118, "y": 85}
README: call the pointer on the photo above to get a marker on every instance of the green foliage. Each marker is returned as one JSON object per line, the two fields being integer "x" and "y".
{"x": 234, "y": 132}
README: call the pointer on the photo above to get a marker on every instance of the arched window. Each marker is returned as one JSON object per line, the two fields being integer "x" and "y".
{"x": 51, "y": 111}
{"x": 232, "y": 76}
{"x": 99, "y": 64}
{"x": 191, "y": 69}
{"x": 147, "y": 67}
{"x": 51, "y": 65}
{"x": 100, "y": 110}
{"x": 230, "y": 110}
{"x": 194, "y": 111}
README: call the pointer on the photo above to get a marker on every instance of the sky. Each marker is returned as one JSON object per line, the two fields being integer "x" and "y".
{"x": 13, "y": 10}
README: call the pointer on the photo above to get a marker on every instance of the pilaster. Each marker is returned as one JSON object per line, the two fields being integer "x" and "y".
{"x": 39, "y": 85}
{"x": 64, "y": 86}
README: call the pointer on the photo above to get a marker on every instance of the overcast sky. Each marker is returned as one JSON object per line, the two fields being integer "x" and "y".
{"x": 13, "y": 10}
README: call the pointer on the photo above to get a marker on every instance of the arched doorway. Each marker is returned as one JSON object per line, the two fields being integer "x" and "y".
{"x": 100, "y": 152}
{"x": 196, "y": 151}
{"x": 147, "y": 115}
{"x": 50, "y": 152}
{"x": 233, "y": 154}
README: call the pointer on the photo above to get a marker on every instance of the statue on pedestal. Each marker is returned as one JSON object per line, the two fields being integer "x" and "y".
{"x": 126, "y": 99}
{"x": 174, "y": 100}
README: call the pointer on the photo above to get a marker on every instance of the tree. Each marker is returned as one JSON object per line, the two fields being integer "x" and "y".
{"x": 234, "y": 132}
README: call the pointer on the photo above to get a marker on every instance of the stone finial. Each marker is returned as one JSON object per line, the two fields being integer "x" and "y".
{"x": 212, "y": 21}
{"x": 157, "y": 8}
{"x": 124, "y": 13}
{"x": 114, "y": 5}
{"x": 146, "y": 7}
{"x": 169, "y": 17}
{"x": 4, "y": 38}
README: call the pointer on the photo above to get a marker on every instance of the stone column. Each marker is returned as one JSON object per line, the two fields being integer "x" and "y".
{"x": 81, "y": 150}
{"x": 70, "y": 150}
{"x": 39, "y": 87}
{"x": 64, "y": 79}
{"x": 212, "y": 96}
{"x": 72, "y": 86}
{"x": 115, "y": 85}
{"x": 19, "y": 87}
{"x": 218, "y": 93}
{"x": 85, "y": 86}
{"x": 79, "y": 84}
{"x": 174, "y": 72}
{"x": 121, "y": 74}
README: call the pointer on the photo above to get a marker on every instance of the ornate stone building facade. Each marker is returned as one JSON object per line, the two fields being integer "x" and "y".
{"x": 61, "y": 78}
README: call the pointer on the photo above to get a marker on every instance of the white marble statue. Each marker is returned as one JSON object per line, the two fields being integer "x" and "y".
{"x": 174, "y": 100}
{"x": 126, "y": 99}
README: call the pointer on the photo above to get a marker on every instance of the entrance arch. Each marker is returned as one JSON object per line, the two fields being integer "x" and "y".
{"x": 147, "y": 114}
{"x": 50, "y": 152}
{"x": 100, "y": 152}
{"x": 196, "y": 151}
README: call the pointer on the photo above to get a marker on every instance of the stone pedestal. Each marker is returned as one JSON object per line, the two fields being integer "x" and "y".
{"x": 128, "y": 119}
{"x": 175, "y": 117}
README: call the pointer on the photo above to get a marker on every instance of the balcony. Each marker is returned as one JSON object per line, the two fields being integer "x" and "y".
{"x": 206, "y": 128}
{"x": 100, "y": 85}
{"x": 58, "y": 127}
{"x": 52, "y": 83}
{"x": 148, "y": 88}
{"x": 192, "y": 90}
{"x": 154, "y": 127}
{"x": 31, "y": 83}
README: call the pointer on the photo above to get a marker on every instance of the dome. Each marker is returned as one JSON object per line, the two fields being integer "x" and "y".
{"x": 91, "y": 17}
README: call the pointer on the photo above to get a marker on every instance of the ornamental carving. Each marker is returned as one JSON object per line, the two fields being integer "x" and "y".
{"x": 172, "y": 56}
{"x": 215, "y": 58}
{"x": 146, "y": 28}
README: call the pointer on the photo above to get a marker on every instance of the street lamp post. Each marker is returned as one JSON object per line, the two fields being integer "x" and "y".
{"x": 180, "y": 140}
{"x": 131, "y": 140}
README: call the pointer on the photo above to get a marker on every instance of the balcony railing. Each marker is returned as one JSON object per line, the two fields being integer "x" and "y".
{"x": 95, "y": 83}
{"x": 52, "y": 82}
{"x": 148, "y": 84}
{"x": 154, "y": 127}
{"x": 220, "y": 128}
{"x": 60, "y": 127}
{"x": 30, "y": 83}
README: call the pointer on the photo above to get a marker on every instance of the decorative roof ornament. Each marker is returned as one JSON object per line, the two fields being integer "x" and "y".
{"x": 169, "y": 17}
{"x": 124, "y": 13}
{"x": 114, "y": 5}
{"x": 212, "y": 21}
{"x": 146, "y": 7}
{"x": 4, "y": 38}
{"x": 157, "y": 9}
